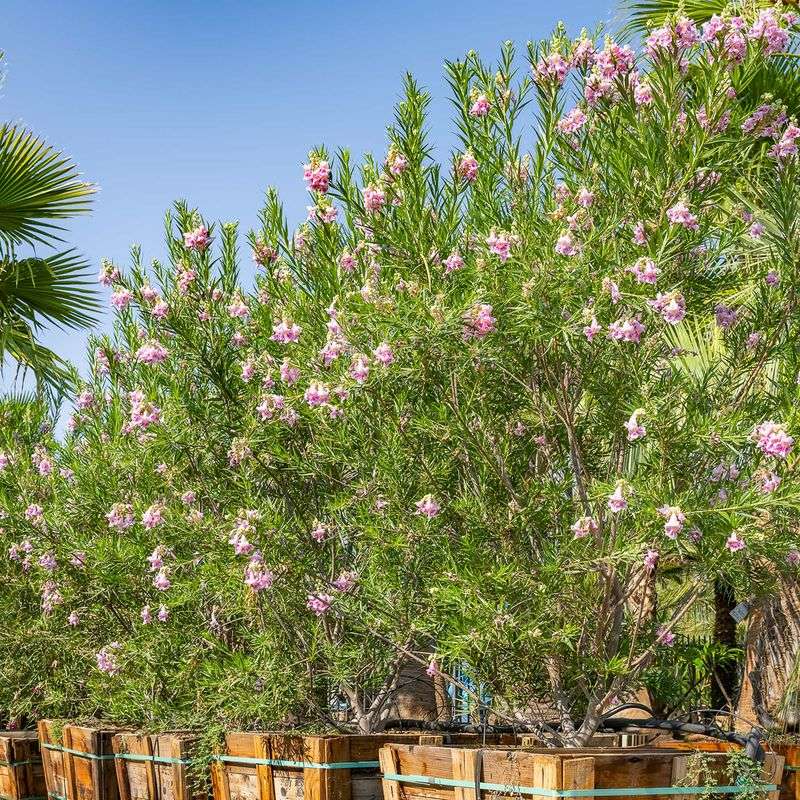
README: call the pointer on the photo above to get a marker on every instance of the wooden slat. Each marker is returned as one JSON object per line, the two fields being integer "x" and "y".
{"x": 467, "y": 766}
{"x": 389, "y": 766}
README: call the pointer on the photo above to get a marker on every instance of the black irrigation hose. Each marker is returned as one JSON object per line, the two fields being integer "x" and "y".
{"x": 751, "y": 742}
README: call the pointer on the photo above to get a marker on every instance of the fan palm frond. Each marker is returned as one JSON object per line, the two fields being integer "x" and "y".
{"x": 38, "y": 184}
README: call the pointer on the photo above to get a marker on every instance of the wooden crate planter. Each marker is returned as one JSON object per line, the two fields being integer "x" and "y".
{"x": 21, "y": 772}
{"x": 156, "y": 767}
{"x": 78, "y": 761}
{"x": 439, "y": 773}
{"x": 790, "y": 786}
{"x": 271, "y": 766}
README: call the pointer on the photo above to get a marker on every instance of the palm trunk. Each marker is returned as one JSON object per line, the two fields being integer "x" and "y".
{"x": 725, "y": 681}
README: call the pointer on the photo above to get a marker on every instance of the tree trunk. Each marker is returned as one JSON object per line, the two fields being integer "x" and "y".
{"x": 771, "y": 654}
{"x": 725, "y": 682}
{"x": 419, "y": 696}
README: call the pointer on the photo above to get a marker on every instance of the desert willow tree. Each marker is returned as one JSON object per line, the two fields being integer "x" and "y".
{"x": 466, "y": 417}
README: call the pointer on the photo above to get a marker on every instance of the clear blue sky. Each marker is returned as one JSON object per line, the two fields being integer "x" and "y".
{"x": 214, "y": 101}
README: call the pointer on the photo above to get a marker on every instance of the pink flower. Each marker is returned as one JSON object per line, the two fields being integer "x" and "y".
{"x": 592, "y": 329}
{"x": 645, "y": 270}
{"x": 642, "y": 93}
{"x": 187, "y": 498}
{"x": 359, "y": 369}
{"x": 478, "y": 321}
{"x": 248, "y": 370}
{"x": 156, "y": 558}
{"x": 161, "y": 580}
{"x": 33, "y": 512}
{"x": 317, "y": 175}
{"x": 396, "y": 162}
{"x": 614, "y": 60}
{"x": 453, "y": 263}
{"x": 319, "y": 532}
{"x": 793, "y": 557}
{"x": 269, "y": 405}
{"x": 679, "y": 214}
{"x": 427, "y": 506}
{"x": 85, "y": 400}
{"x": 634, "y": 428}
{"x": 317, "y": 394}
{"x": 383, "y": 354}
{"x": 151, "y": 353}
{"x": 616, "y": 500}
{"x": 345, "y": 582}
{"x": 263, "y": 254}
{"x": 725, "y": 316}
{"x": 374, "y": 199}
{"x": 319, "y": 603}
{"x": 552, "y": 68}
{"x": 159, "y": 310}
{"x": 639, "y": 234}
{"x": 480, "y": 107}
{"x": 286, "y": 332}
{"x": 651, "y": 560}
{"x": 163, "y": 613}
{"x": 73, "y": 619}
{"x": 121, "y": 298}
{"x": 48, "y": 562}
{"x": 4, "y": 460}
{"x": 45, "y": 466}
{"x": 107, "y": 659}
{"x": 146, "y": 616}
{"x": 572, "y": 122}
{"x": 670, "y": 305}
{"x": 735, "y": 543}
{"x": 626, "y": 330}
{"x": 566, "y": 246}
{"x": 108, "y": 273}
{"x": 770, "y": 482}
{"x": 500, "y": 243}
{"x": 771, "y": 438}
{"x": 468, "y": 167}
{"x": 767, "y": 30}
{"x": 289, "y": 374}
{"x": 347, "y": 262}
{"x": 153, "y": 516}
{"x": 786, "y": 146}
{"x": 257, "y": 576}
{"x": 772, "y": 278}
{"x": 240, "y": 544}
{"x": 756, "y": 230}
{"x": 665, "y": 636}
{"x": 197, "y": 239}
{"x": 432, "y": 669}
{"x": 120, "y": 516}
{"x": 51, "y": 597}
{"x": 584, "y": 198}
{"x": 583, "y": 527}
{"x": 238, "y": 309}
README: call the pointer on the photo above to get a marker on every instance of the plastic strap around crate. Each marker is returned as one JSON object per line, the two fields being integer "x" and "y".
{"x": 543, "y": 792}
{"x": 156, "y": 759}
{"x": 20, "y": 764}
{"x": 29, "y": 797}
{"x": 54, "y": 796}
{"x": 279, "y": 762}
{"x": 93, "y": 756}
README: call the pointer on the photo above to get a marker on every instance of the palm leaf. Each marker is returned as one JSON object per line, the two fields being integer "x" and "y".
{"x": 644, "y": 14}
{"x": 56, "y": 289}
{"x": 37, "y": 184}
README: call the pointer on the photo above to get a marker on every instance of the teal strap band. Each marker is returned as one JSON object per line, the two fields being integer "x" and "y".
{"x": 157, "y": 759}
{"x": 791, "y": 769}
{"x": 54, "y": 796}
{"x": 541, "y": 791}
{"x": 29, "y": 797}
{"x": 20, "y": 764}
{"x": 93, "y": 756}
{"x": 277, "y": 762}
